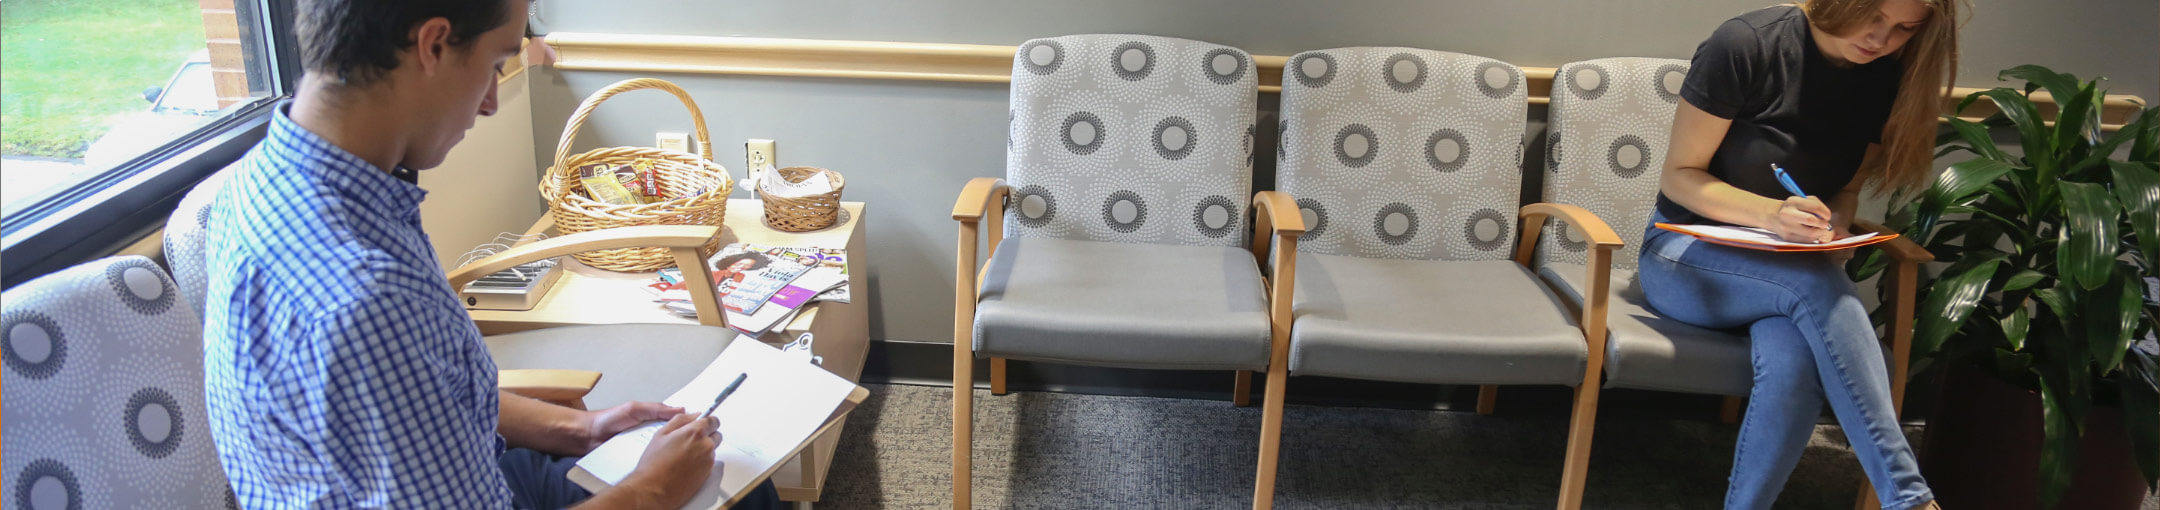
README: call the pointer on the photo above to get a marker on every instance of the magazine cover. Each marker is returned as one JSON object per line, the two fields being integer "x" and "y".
{"x": 750, "y": 276}
{"x": 832, "y": 260}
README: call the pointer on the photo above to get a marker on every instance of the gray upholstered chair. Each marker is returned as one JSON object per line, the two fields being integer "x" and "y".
{"x": 104, "y": 393}
{"x": 1608, "y": 128}
{"x": 1118, "y": 237}
{"x": 1407, "y": 164}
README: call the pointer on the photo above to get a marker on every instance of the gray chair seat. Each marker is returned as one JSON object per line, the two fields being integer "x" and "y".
{"x": 1646, "y": 351}
{"x": 1430, "y": 321}
{"x": 1125, "y": 305}
{"x": 635, "y": 361}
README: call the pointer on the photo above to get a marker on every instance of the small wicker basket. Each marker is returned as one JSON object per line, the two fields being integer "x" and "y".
{"x": 697, "y": 188}
{"x": 806, "y": 213}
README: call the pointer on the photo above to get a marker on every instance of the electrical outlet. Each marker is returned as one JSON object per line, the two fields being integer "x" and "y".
{"x": 758, "y": 153}
{"x": 678, "y": 142}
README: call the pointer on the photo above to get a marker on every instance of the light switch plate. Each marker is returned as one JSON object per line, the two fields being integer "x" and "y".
{"x": 678, "y": 142}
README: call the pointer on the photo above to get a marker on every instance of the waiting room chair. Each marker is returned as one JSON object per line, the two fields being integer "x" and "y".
{"x": 1608, "y": 127}
{"x": 1407, "y": 165}
{"x": 104, "y": 393}
{"x": 1117, "y": 238}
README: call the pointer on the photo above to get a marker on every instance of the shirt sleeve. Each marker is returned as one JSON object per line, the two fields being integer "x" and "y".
{"x": 397, "y": 418}
{"x": 1724, "y": 70}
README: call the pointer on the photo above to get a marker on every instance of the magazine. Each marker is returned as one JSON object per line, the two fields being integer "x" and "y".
{"x": 748, "y": 276}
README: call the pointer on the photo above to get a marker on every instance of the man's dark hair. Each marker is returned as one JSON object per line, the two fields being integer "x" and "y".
{"x": 356, "y": 41}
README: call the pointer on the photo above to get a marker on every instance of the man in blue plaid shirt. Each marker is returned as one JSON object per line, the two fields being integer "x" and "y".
{"x": 341, "y": 370}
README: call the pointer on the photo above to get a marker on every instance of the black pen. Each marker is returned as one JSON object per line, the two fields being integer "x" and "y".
{"x": 724, "y": 393}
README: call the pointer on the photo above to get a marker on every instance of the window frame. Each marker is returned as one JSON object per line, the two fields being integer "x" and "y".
{"x": 117, "y": 206}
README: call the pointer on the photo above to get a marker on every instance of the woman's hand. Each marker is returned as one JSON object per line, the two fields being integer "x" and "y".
{"x": 1799, "y": 220}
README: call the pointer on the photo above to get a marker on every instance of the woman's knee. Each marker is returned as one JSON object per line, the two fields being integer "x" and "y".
{"x": 1781, "y": 354}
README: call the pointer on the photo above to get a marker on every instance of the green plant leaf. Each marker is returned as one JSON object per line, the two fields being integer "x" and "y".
{"x": 2111, "y": 315}
{"x": 2086, "y": 247}
{"x": 2071, "y": 119}
{"x": 1977, "y": 139}
{"x": 2141, "y": 414}
{"x": 2147, "y": 145}
{"x": 1954, "y": 186}
{"x": 2023, "y": 280}
{"x": 2007, "y": 362}
{"x": 2058, "y": 446}
{"x": 2015, "y": 326}
{"x": 2032, "y": 131}
{"x": 2138, "y": 188}
{"x": 1952, "y": 299}
{"x": 2060, "y": 85}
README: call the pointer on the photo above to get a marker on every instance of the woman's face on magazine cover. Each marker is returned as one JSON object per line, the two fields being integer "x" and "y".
{"x": 743, "y": 264}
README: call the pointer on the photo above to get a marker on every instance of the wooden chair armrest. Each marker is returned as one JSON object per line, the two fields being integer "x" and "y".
{"x": 1902, "y": 249}
{"x": 1276, "y": 222}
{"x": 977, "y": 198}
{"x": 685, "y": 242}
{"x": 1533, "y": 217}
{"x": 561, "y": 387}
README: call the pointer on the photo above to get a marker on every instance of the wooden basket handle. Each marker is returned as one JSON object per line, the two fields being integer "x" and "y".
{"x": 585, "y": 109}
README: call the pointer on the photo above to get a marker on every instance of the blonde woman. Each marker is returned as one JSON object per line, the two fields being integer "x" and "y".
{"x": 1839, "y": 93}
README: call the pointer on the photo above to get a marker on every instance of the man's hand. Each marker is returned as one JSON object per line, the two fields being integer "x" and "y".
{"x": 606, "y": 423}
{"x": 677, "y": 461}
{"x": 1800, "y": 220}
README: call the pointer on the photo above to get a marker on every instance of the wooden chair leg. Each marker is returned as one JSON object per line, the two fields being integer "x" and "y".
{"x": 1242, "y": 395}
{"x": 963, "y": 447}
{"x": 1487, "y": 396}
{"x": 1733, "y": 407}
{"x": 1271, "y": 409}
{"x": 1581, "y": 426}
{"x": 997, "y": 376}
{"x": 1866, "y": 501}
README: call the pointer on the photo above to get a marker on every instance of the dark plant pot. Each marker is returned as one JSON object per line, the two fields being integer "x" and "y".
{"x": 1982, "y": 450}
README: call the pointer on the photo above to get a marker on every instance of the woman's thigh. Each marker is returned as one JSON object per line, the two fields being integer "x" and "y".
{"x": 1724, "y": 287}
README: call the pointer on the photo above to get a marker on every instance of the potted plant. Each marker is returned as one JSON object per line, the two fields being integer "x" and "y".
{"x": 2032, "y": 329}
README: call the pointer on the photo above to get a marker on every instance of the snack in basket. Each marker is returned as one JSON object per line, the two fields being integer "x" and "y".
{"x": 602, "y": 185}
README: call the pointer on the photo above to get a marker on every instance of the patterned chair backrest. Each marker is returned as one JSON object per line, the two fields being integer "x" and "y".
{"x": 1403, "y": 153}
{"x": 1130, "y": 138}
{"x": 186, "y": 233}
{"x": 1606, "y": 134}
{"x": 104, "y": 393}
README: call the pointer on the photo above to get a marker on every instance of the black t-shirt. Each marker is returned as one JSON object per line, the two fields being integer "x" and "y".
{"x": 1788, "y": 104}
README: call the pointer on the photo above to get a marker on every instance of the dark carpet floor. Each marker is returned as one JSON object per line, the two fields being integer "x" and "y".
{"x": 1058, "y": 450}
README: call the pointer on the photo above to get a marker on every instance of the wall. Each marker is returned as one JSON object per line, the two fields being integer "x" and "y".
{"x": 907, "y": 147}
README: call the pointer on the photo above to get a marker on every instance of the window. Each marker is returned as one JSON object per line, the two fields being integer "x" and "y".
{"x": 110, "y": 110}
{"x": 90, "y": 85}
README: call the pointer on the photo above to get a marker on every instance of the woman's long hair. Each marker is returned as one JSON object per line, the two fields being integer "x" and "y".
{"x": 1930, "y": 58}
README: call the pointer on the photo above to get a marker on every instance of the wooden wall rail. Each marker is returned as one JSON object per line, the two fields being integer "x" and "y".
{"x": 970, "y": 63}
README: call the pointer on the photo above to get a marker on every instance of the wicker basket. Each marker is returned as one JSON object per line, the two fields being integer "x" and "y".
{"x": 803, "y": 214}
{"x": 697, "y": 188}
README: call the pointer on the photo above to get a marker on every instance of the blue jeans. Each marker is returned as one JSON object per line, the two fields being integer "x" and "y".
{"x": 1810, "y": 340}
{"x": 540, "y": 481}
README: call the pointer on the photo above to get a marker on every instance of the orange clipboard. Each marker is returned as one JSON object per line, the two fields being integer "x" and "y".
{"x": 1713, "y": 236}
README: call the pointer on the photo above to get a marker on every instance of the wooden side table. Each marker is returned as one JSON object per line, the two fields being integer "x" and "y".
{"x": 586, "y": 295}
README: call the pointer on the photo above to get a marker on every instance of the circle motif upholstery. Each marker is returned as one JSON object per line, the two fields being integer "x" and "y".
{"x": 1552, "y": 150}
{"x": 152, "y": 420}
{"x": 1313, "y": 70}
{"x": 1315, "y": 215}
{"x": 1043, "y": 57}
{"x": 1589, "y": 81}
{"x": 1174, "y": 138}
{"x": 1495, "y": 80}
{"x": 47, "y": 484}
{"x": 33, "y": 346}
{"x": 1395, "y": 224}
{"x": 1447, "y": 150}
{"x": 1628, "y": 156}
{"x": 1083, "y": 133}
{"x": 1670, "y": 77}
{"x": 1404, "y": 72}
{"x": 1356, "y": 145}
{"x": 1212, "y": 216}
{"x": 1566, "y": 237}
{"x": 1222, "y": 66}
{"x": 1124, "y": 211}
{"x": 138, "y": 284}
{"x": 1486, "y": 230}
{"x": 1036, "y": 206}
{"x": 1133, "y": 61}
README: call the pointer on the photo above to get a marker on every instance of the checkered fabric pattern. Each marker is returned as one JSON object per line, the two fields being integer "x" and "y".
{"x": 341, "y": 370}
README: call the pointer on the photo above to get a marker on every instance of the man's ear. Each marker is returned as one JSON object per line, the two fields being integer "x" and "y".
{"x": 431, "y": 44}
